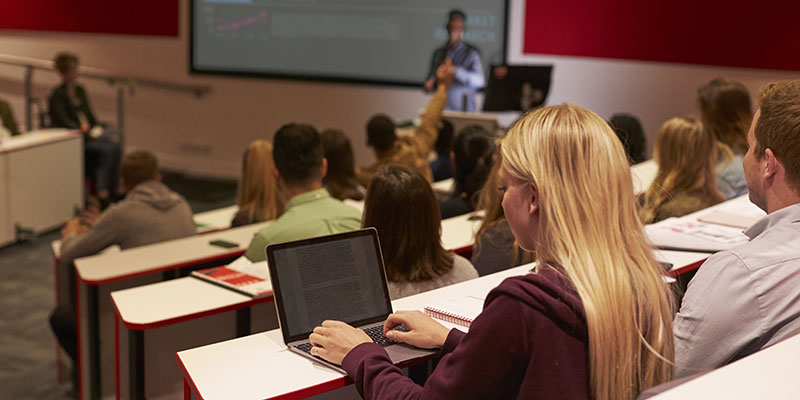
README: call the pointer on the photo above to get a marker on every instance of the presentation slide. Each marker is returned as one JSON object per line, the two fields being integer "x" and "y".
{"x": 371, "y": 41}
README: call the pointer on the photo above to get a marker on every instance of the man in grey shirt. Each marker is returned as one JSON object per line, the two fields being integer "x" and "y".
{"x": 748, "y": 298}
{"x": 150, "y": 213}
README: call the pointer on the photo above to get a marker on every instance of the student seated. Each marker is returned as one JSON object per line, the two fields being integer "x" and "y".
{"x": 341, "y": 179}
{"x": 440, "y": 167}
{"x": 725, "y": 107}
{"x": 408, "y": 151}
{"x": 629, "y": 131}
{"x": 258, "y": 197}
{"x": 473, "y": 155}
{"x": 401, "y": 205}
{"x": 309, "y": 210}
{"x": 69, "y": 107}
{"x": 747, "y": 298}
{"x": 592, "y": 321}
{"x": 149, "y": 213}
{"x": 8, "y": 125}
{"x": 685, "y": 182}
{"x": 496, "y": 249}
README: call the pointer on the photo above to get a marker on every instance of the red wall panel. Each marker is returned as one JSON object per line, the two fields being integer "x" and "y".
{"x": 764, "y": 34}
{"x": 139, "y": 17}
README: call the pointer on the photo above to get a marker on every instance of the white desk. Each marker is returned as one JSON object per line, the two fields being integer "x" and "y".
{"x": 772, "y": 373}
{"x": 99, "y": 275}
{"x": 643, "y": 174}
{"x": 444, "y": 186}
{"x": 458, "y": 233}
{"x": 215, "y": 220}
{"x": 41, "y": 181}
{"x": 165, "y": 304}
{"x": 260, "y": 367}
{"x": 663, "y": 236}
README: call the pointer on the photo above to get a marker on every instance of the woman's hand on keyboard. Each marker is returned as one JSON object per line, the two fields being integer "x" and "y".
{"x": 334, "y": 339}
{"x": 423, "y": 331}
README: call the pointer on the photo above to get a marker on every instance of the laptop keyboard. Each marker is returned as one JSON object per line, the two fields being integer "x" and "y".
{"x": 375, "y": 333}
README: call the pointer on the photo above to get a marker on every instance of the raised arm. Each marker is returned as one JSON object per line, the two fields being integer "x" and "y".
{"x": 428, "y": 130}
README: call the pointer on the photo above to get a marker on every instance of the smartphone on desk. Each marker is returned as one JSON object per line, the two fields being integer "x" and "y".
{"x": 223, "y": 243}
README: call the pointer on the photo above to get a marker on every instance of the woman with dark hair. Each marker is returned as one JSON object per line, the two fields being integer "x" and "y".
{"x": 496, "y": 249}
{"x": 629, "y": 131}
{"x": 341, "y": 177}
{"x": 727, "y": 113}
{"x": 473, "y": 156}
{"x": 69, "y": 108}
{"x": 412, "y": 248}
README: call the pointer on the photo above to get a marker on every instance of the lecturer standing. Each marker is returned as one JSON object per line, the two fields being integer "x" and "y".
{"x": 468, "y": 76}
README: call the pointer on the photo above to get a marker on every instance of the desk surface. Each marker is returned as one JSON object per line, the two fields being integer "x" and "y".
{"x": 663, "y": 236}
{"x": 239, "y": 368}
{"x": 176, "y": 300}
{"x": 171, "y": 254}
{"x": 259, "y": 366}
{"x": 217, "y": 219}
{"x": 643, "y": 174}
{"x": 772, "y": 373}
{"x": 459, "y": 232}
{"x": 36, "y": 138}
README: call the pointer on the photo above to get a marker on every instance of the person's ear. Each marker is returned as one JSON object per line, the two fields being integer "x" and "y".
{"x": 323, "y": 169}
{"x": 771, "y": 164}
{"x": 533, "y": 207}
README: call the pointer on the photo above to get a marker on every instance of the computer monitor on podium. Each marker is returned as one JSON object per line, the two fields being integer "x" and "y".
{"x": 517, "y": 88}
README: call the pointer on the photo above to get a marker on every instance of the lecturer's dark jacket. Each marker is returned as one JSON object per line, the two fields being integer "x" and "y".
{"x": 64, "y": 112}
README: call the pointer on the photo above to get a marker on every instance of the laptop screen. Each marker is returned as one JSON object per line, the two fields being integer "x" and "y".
{"x": 338, "y": 277}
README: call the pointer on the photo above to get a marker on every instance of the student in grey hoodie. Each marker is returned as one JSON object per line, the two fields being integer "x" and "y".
{"x": 149, "y": 213}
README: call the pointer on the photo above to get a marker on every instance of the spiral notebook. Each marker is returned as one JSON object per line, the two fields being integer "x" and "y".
{"x": 461, "y": 311}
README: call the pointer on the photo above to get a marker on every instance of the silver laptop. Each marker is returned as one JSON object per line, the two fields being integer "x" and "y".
{"x": 337, "y": 277}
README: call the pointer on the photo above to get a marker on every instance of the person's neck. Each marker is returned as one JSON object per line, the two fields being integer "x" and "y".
{"x": 781, "y": 198}
{"x": 291, "y": 191}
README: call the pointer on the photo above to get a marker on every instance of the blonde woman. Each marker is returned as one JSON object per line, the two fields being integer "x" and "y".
{"x": 258, "y": 197}
{"x": 685, "y": 181}
{"x": 595, "y": 318}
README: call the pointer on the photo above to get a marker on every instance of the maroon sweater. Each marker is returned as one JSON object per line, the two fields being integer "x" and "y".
{"x": 530, "y": 342}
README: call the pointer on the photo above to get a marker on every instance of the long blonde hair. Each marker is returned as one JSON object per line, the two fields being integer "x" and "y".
{"x": 686, "y": 156}
{"x": 588, "y": 227}
{"x": 258, "y": 190}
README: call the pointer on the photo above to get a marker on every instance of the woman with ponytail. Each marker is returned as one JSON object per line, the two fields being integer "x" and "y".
{"x": 473, "y": 154}
{"x": 594, "y": 318}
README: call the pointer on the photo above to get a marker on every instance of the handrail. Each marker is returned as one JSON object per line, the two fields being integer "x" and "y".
{"x": 129, "y": 82}
{"x": 106, "y": 75}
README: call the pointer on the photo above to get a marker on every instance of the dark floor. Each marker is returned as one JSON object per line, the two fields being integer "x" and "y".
{"x": 27, "y": 347}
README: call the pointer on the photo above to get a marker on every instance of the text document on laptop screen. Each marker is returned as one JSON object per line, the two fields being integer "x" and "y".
{"x": 372, "y": 41}
{"x": 338, "y": 280}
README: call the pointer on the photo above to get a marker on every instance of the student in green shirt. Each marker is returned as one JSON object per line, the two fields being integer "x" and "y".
{"x": 309, "y": 211}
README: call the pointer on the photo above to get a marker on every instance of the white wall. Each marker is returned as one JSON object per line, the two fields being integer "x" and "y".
{"x": 179, "y": 127}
